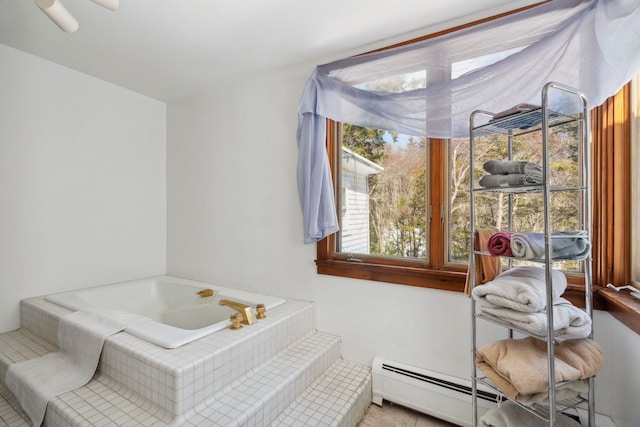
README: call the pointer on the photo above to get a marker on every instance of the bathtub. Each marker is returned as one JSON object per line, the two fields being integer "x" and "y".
{"x": 172, "y": 313}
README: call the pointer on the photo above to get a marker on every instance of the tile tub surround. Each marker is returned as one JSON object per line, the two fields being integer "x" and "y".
{"x": 253, "y": 376}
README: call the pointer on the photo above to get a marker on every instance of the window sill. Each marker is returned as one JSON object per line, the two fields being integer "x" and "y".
{"x": 622, "y": 306}
{"x": 402, "y": 275}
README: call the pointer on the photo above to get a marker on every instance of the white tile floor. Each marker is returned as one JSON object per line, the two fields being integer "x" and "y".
{"x": 392, "y": 415}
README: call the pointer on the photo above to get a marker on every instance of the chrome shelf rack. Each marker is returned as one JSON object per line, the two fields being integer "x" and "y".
{"x": 560, "y": 106}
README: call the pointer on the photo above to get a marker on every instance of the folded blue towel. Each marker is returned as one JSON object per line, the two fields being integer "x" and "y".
{"x": 564, "y": 245}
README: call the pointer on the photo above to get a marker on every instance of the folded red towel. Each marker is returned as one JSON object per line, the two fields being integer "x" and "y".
{"x": 499, "y": 244}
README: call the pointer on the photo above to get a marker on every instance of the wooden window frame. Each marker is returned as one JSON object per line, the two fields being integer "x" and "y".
{"x": 611, "y": 246}
{"x": 433, "y": 272}
{"x": 611, "y": 135}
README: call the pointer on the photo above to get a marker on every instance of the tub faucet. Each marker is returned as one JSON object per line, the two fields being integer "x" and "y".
{"x": 248, "y": 317}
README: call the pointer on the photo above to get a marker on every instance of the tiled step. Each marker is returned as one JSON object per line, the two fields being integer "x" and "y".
{"x": 338, "y": 398}
{"x": 101, "y": 403}
{"x": 257, "y": 398}
{"x": 16, "y": 346}
{"x": 20, "y": 345}
{"x": 180, "y": 379}
{"x": 278, "y": 372}
{"x": 11, "y": 414}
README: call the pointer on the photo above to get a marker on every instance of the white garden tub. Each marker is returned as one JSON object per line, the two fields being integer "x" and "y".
{"x": 173, "y": 314}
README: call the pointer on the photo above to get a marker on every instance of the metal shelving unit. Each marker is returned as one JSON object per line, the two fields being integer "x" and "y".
{"x": 560, "y": 106}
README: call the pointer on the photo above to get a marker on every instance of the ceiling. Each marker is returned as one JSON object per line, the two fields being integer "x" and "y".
{"x": 170, "y": 50}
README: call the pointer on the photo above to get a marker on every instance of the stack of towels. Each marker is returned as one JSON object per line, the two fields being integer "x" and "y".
{"x": 518, "y": 367}
{"x": 510, "y": 173}
{"x": 567, "y": 245}
{"x": 518, "y": 297}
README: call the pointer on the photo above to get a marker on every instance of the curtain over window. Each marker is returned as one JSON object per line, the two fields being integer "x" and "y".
{"x": 590, "y": 45}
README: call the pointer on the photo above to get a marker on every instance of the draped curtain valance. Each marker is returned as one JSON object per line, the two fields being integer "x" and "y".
{"x": 590, "y": 45}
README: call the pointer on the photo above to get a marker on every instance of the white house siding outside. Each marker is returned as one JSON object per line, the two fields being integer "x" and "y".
{"x": 355, "y": 201}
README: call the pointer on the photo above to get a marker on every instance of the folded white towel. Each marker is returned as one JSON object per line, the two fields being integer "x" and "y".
{"x": 567, "y": 319}
{"x": 509, "y": 414}
{"x": 521, "y": 289}
{"x": 81, "y": 335}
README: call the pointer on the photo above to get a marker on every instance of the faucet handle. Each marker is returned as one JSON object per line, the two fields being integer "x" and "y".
{"x": 262, "y": 311}
{"x": 205, "y": 293}
{"x": 235, "y": 319}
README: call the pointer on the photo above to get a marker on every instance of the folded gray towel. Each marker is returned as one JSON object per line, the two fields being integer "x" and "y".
{"x": 509, "y": 180}
{"x": 504, "y": 167}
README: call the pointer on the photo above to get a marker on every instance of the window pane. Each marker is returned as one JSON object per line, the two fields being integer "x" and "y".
{"x": 383, "y": 187}
{"x": 458, "y": 215}
{"x": 458, "y": 232}
{"x": 383, "y": 184}
{"x": 462, "y": 67}
{"x": 397, "y": 83}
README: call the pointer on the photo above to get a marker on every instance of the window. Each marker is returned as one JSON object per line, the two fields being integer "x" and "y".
{"x": 390, "y": 230}
{"x": 613, "y": 191}
{"x": 402, "y": 199}
{"x": 383, "y": 175}
{"x": 422, "y": 237}
{"x": 615, "y": 125}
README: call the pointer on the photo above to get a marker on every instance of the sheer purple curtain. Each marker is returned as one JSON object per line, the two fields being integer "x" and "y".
{"x": 589, "y": 45}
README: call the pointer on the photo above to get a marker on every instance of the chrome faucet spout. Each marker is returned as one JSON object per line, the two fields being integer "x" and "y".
{"x": 248, "y": 317}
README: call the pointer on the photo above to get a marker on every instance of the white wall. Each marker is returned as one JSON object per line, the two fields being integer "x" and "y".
{"x": 618, "y": 384}
{"x": 82, "y": 182}
{"x": 234, "y": 219}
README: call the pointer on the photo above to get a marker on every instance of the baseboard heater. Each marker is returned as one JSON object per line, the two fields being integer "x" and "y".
{"x": 436, "y": 394}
